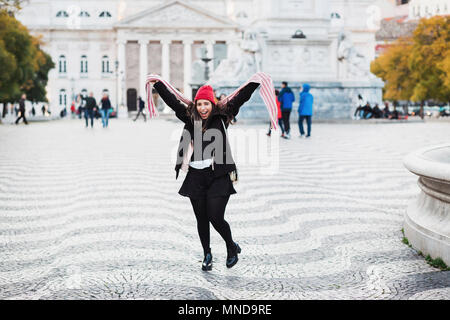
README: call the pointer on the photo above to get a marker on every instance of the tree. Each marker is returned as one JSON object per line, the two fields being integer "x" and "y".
{"x": 445, "y": 68}
{"x": 35, "y": 87}
{"x": 10, "y": 5}
{"x": 24, "y": 65}
{"x": 431, "y": 45}
{"x": 417, "y": 68}
{"x": 393, "y": 68}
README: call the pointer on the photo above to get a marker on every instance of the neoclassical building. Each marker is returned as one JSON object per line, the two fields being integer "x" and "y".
{"x": 111, "y": 45}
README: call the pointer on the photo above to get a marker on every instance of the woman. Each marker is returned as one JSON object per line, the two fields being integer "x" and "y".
{"x": 105, "y": 110}
{"x": 208, "y": 182}
{"x": 280, "y": 118}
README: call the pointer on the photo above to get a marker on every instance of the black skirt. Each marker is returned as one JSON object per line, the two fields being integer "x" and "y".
{"x": 201, "y": 183}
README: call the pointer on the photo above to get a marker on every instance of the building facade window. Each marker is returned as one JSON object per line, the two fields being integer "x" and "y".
{"x": 62, "y": 14}
{"x": 84, "y": 14}
{"x": 105, "y": 64}
{"x": 335, "y": 15}
{"x": 105, "y": 14}
{"x": 62, "y": 97}
{"x": 242, "y": 15}
{"x": 84, "y": 64}
{"x": 62, "y": 64}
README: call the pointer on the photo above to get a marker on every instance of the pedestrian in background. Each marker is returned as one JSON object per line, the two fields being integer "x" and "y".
{"x": 90, "y": 108}
{"x": 367, "y": 111}
{"x": 386, "y": 111}
{"x": 73, "y": 109}
{"x": 21, "y": 111}
{"x": 280, "y": 118}
{"x": 5, "y": 109}
{"x": 286, "y": 97}
{"x": 82, "y": 102}
{"x": 141, "y": 109}
{"x": 305, "y": 110}
{"x": 105, "y": 109}
{"x": 377, "y": 113}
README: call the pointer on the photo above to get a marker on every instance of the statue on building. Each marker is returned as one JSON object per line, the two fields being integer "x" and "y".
{"x": 252, "y": 49}
{"x": 355, "y": 63}
{"x": 244, "y": 59}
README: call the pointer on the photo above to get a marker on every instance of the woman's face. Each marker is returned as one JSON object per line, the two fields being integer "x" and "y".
{"x": 204, "y": 108}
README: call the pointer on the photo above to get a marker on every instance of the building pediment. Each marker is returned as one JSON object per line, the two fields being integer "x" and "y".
{"x": 176, "y": 14}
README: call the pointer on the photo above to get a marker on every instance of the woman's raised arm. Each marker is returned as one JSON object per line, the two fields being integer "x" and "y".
{"x": 242, "y": 97}
{"x": 170, "y": 99}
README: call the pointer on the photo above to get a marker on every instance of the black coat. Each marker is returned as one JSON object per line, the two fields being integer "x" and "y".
{"x": 217, "y": 120}
{"x": 141, "y": 104}
{"x": 22, "y": 105}
{"x": 90, "y": 103}
{"x": 106, "y": 104}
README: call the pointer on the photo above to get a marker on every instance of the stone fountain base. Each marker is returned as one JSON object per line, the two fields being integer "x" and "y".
{"x": 427, "y": 219}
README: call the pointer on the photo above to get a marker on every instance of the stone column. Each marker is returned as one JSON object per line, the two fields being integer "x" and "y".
{"x": 143, "y": 67}
{"x": 165, "y": 62}
{"x": 121, "y": 57}
{"x": 187, "y": 65}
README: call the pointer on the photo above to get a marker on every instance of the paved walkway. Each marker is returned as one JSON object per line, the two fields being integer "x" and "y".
{"x": 95, "y": 214}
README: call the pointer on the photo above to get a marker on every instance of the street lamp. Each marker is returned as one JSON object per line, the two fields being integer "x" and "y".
{"x": 206, "y": 60}
{"x": 72, "y": 82}
{"x": 299, "y": 35}
{"x": 116, "y": 65}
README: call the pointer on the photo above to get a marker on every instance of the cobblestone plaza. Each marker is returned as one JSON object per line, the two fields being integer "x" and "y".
{"x": 94, "y": 214}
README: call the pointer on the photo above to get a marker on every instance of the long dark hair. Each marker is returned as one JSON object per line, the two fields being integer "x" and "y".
{"x": 192, "y": 112}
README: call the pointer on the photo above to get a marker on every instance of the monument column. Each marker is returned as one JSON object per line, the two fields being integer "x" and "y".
{"x": 143, "y": 67}
{"x": 165, "y": 59}
{"x": 165, "y": 65}
{"x": 121, "y": 74}
{"x": 187, "y": 65}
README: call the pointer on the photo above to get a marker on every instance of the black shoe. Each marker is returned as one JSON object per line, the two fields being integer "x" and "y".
{"x": 232, "y": 257}
{"x": 207, "y": 262}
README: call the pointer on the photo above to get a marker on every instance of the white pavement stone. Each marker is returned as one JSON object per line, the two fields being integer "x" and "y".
{"x": 95, "y": 214}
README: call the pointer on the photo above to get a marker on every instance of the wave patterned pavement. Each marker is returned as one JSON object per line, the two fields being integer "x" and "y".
{"x": 95, "y": 214}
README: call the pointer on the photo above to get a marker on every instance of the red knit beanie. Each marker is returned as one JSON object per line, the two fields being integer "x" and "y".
{"x": 205, "y": 93}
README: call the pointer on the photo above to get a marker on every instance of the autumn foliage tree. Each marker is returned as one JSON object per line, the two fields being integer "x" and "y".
{"x": 417, "y": 68}
{"x": 10, "y": 5}
{"x": 24, "y": 66}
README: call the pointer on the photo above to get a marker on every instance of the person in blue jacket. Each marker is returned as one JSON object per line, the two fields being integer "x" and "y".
{"x": 305, "y": 110}
{"x": 286, "y": 98}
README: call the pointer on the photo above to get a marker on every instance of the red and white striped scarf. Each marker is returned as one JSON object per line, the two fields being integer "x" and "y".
{"x": 267, "y": 92}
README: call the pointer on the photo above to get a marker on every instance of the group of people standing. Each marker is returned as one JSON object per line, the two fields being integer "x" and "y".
{"x": 285, "y": 100}
{"x": 90, "y": 107}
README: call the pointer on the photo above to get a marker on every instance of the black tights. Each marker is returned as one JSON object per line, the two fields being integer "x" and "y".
{"x": 212, "y": 210}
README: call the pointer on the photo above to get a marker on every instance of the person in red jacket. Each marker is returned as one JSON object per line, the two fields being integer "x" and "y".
{"x": 280, "y": 118}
